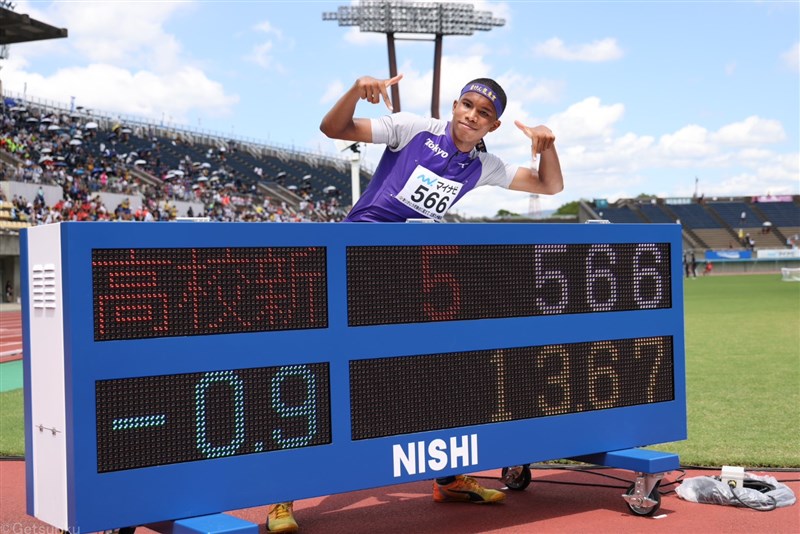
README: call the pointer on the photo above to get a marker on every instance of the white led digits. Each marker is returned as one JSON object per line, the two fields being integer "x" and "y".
{"x": 208, "y": 449}
{"x": 307, "y": 409}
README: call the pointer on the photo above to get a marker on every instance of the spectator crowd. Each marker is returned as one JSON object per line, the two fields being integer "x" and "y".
{"x": 67, "y": 151}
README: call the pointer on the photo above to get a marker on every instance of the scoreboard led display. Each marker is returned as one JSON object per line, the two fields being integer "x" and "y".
{"x": 199, "y": 416}
{"x": 162, "y": 356}
{"x": 412, "y": 394}
{"x": 480, "y": 281}
{"x": 183, "y": 292}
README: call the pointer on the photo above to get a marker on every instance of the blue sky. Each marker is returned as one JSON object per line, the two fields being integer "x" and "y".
{"x": 644, "y": 97}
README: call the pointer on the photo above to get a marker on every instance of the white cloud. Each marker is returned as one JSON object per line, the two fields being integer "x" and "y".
{"x": 752, "y": 130}
{"x": 599, "y": 162}
{"x": 587, "y": 119}
{"x": 261, "y": 55}
{"x": 486, "y": 201}
{"x": 264, "y": 54}
{"x": 595, "y": 52}
{"x": 134, "y": 67}
{"x": 791, "y": 58}
{"x": 781, "y": 168}
{"x": 129, "y": 33}
{"x": 691, "y": 141}
{"x": 120, "y": 91}
{"x": 268, "y": 28}
{"x": 334, "y": 91}
{"x": 597, "y": 159}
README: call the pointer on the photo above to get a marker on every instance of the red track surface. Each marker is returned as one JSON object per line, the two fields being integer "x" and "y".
{"x": 557, "y": 501}
{"x": 10, "y": 336}
{"x": 546, "y": 506}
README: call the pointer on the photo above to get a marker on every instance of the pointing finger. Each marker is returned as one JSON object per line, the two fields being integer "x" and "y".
{"x": 525, "y": 129}
{"x": 386, "y": 98}
{"x": 392, "y": 81}
{"x": 384, "y": 90}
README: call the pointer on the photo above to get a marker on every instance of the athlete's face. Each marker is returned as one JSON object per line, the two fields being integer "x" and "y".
{"x": 473, "y": 117}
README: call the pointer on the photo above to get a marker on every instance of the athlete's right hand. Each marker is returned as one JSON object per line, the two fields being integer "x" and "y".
{"x": 371, "y": 89}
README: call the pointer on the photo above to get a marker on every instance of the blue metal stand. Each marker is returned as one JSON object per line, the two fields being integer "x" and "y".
{"x": 650, "y": 466}
{"x": 206, "y": 524}
{"x": 643, "y": 497}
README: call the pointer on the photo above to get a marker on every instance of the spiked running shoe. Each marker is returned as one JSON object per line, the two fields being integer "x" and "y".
{"x": 280, "y": 518}
{"x": 465, "y": 489}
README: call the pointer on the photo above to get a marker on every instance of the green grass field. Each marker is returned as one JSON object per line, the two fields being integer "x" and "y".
{"x": 11, "y": 423}
{"x": 742, "y": 372}
{"x": 742, "y": 375}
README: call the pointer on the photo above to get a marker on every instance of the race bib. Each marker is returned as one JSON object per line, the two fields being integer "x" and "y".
{"x": 428, "y": 193}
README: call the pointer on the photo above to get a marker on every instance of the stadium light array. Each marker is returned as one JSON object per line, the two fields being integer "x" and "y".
{"x": 432, "y": 18}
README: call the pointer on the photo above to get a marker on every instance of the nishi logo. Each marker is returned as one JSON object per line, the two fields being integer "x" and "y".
{"x": 435, "y": 455}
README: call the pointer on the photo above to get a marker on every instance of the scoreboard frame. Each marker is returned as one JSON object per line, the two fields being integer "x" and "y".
{"x": 66, "y": 365}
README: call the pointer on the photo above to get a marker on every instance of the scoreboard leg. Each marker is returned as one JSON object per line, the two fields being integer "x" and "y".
{"x": 206, "y": 524}
{"x": 517, "y": 477}
{"x": 643, "y": 497}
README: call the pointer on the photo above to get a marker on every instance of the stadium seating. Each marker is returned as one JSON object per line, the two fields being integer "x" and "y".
{"x": 654, "y": 213}
{"x": 717, "y": 238}
{"x": 693, "y": 216}
{"x": 621, "y": 215}
{"x": 781, "y": 214}
{"x": 45, "y": 142}
{"x": 731, "y": 214}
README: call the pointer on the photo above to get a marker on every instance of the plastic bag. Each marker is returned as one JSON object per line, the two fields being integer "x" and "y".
{"x": 711, "y": 490}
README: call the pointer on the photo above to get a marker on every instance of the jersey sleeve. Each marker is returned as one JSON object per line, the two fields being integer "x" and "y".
{"x": 397, "y": 130}
{"x": 495, "y": 172}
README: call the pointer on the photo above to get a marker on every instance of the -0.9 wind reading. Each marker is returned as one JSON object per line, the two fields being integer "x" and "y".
{"x": 158, "y": 420}
{"x": 412, "y": 284}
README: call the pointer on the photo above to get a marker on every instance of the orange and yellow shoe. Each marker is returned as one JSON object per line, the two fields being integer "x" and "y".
{"x": 465, "y": 489}
{"x": 280, "y": 518}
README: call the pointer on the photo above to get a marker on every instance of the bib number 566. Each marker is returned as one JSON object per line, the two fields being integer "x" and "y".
{"x": 430, "y": 199}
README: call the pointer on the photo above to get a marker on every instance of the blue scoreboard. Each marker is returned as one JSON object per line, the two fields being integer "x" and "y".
{"x": 197, "y": 368}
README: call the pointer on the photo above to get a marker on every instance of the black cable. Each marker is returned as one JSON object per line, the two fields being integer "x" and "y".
{"x": 584, "y": 484}
{"x": 759, "y": 486}
{"x": 593, "y": 470}
{"x": 752, "y": 468}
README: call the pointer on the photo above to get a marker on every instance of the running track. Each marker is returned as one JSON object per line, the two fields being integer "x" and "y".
{"x": 558, "y": 501}
{"x": 10, "y": 336}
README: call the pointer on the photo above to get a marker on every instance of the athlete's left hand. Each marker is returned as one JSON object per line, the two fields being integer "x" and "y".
{"x": 542, "y": 138}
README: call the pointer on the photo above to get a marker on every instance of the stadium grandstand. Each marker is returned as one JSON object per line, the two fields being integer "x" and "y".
{"x": 760, "y": 233}
{"x": 766, "y": 222}
{"x": 85, "y": 156}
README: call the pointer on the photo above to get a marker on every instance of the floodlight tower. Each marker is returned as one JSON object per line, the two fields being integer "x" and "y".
{"x": 398, "y": 17}
{"x": 5, "y": 4}
{"x": 534, "y": 206}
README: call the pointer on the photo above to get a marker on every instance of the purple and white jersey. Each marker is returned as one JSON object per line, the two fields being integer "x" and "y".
{"x": 422, "y": 173}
